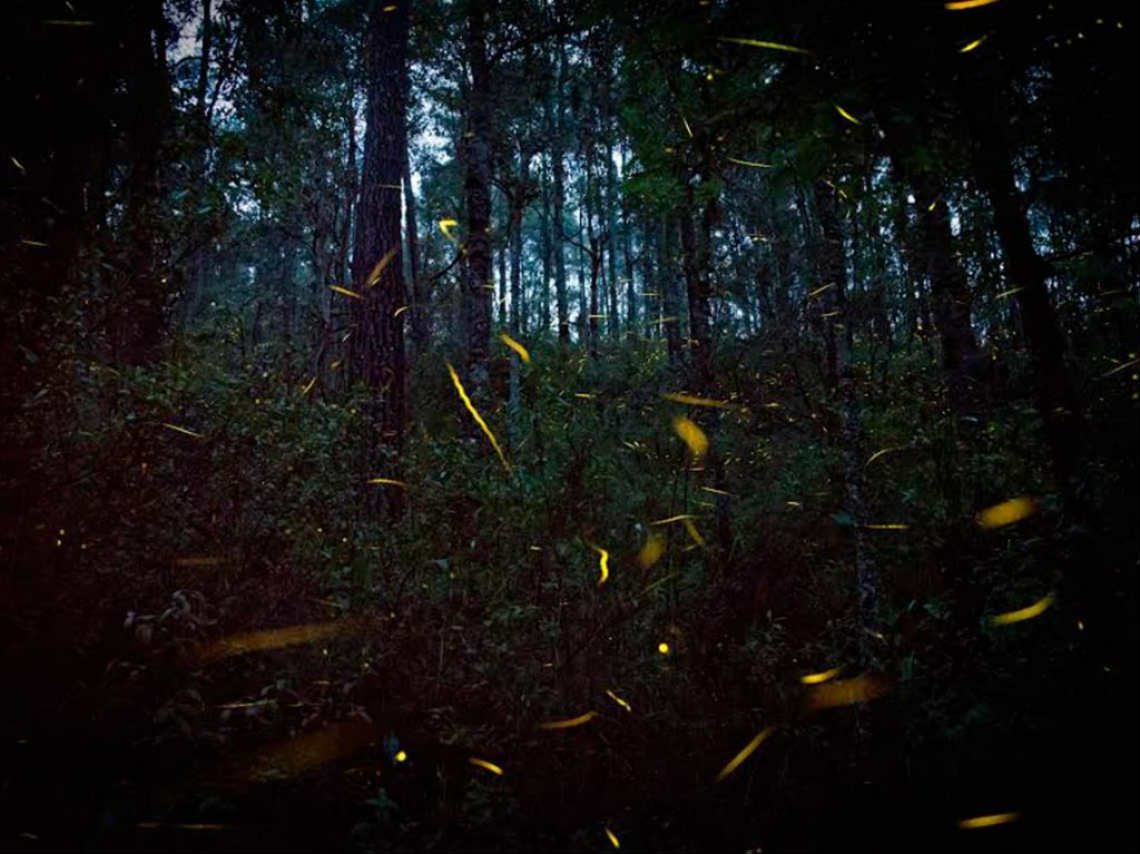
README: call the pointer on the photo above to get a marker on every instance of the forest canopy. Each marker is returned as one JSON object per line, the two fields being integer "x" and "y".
{"x": 700, "y": 425}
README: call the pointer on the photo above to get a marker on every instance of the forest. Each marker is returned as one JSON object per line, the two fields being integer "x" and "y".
{"x": 569, "y": 425}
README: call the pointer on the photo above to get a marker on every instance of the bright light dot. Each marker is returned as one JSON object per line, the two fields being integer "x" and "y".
{"x": 663, "y": 648}
{"x": 401, "y": 756}
{"x": 910, "y": 199}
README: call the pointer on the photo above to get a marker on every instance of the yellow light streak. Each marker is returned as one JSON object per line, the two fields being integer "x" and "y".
{"x": 483, "y": 763}
{"x": 847, "y": 692}
{"x": 651, "y": 552}
{"x": 688, "y": 129}
{"x": 988, "y": 820}
{"x": 693, "y": 400}
{"x": 178, "y": 429}
{"x": 516, "y": 346}
{"x": 1028, "y": 613}
{"x": 1007, "y": 512}
{"x": 378, "y": 270}
{"x": 269, "y": 639}
{"x": 309, "y": 386}
{"x": 1008, "y": 293}
{"x": 569, "y": 722}
{"x": 345, "y": 291}
{"x": 959, "y": 5}
{"x": 1120, "y": 368}
{"x": 677, "y": 518}
{"x": 399, "y": 311}
{"x": 716, "y": 491}
{"x": 819, "y": 291}
{"x": 847, "y": 115}
{"x": 603, "y": 564}
{"x": 18, "y": 165}
{"x": 818, "y": 678}
{"x": 764, "y": 44}
{"x": 389, "y": 481}
{"x": 748, "y": 750}
{"x": 584, "y": 395}
{"x": 878, "y": 454}
{"x": 755, "y": 164}
{"x": 445, "y": 225}
{"x": 619, "y": 700}
{"x": 475, "y": 414}
{"x": 972, "y": 45}
{"x": 892, "y": 526}
{"x": 612, "y": 838}
{"x": 691, "y": 435}
{"x": 693, "y": 532}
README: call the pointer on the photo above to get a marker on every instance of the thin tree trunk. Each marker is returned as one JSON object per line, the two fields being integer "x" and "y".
{"x": 477, "y": 185}
{"x": 558, "y": 166}
{"x": 419, "y": 309}
{"x": 667, "y": 287}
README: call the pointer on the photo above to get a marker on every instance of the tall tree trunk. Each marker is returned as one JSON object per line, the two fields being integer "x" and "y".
{"x": 962, "y": 360}
{"x": 611, "y": 205}
{"x": 515, "y": 238}
{"x": 627, "y": 258}
{"x": 479, "y": 287}
{"x": 142, "y": 301}
{"x": 667, "y": 288}
{"x": 558, "y": 166}
{"x": 377, "y": 349}
{"x": 419, "y": 309}
{"x": 833, "y": 272}
{"x": 546, "y": 249}
{"x": 695, "y": 261}
{"x": 1056, "y": 397}
{"x": 650, "y": 276}
{"x": 583, "y": 288}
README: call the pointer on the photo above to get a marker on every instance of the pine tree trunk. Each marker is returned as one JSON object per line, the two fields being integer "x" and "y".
{"x": 377, "y": 343}
{"x": 419, "y": 309}
{"x": 479, "y": 287}
{"x": 557, "y": 160}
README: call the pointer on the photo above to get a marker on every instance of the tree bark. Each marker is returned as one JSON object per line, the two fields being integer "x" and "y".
{"x": 667, "y": 270}
{"x": 377, "y": 344}
{"x": 142, "y": 300}
{"x": 962, "y": 360}
{"x": 1056, "y": 397}
{"x": 558, "y": 166}
{"x": 478, "y": 286}
{"x": 419, "y": 309}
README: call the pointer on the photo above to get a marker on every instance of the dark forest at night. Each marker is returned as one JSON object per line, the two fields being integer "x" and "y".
{"x": 569, "y": 425}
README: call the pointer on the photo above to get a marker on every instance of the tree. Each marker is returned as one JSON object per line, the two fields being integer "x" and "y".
{"x": 377, "y": 343}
